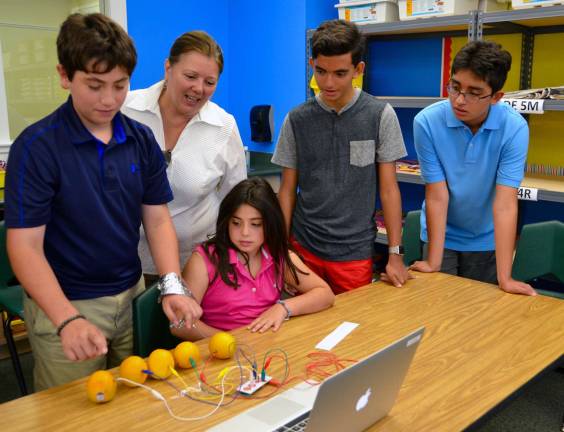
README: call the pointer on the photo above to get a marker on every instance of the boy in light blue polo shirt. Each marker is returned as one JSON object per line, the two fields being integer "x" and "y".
{"x": 472, "y": 152}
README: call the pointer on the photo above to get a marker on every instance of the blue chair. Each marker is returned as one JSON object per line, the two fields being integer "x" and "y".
{"x": 11, "y": 307}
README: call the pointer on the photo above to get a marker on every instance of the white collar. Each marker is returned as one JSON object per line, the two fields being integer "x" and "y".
{"x": 148, "y": 99}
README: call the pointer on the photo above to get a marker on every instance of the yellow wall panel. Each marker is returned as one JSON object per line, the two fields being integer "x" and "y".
{"x": 548, "y": 61}
{"x": 545, "y": 144}
{"x": 511, "y": 43}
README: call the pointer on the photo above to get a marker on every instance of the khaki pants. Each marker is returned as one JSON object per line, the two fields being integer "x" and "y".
{"x": 111, "y": 314}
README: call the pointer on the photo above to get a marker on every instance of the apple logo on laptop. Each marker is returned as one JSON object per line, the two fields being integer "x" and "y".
{"x": 363, "y": 400}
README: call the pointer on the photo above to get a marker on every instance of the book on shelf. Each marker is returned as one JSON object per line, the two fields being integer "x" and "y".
{"x": 379, "y": 220}
{"x": 544, "y": 170}
{"x": 408, "y": 166}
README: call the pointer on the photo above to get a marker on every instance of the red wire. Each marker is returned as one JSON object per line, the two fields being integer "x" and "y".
{"x": 315, "y": 369}
{"x": 321, "y": 361}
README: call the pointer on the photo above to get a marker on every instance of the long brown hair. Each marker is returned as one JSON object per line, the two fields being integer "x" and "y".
{"x": 257, "y": 193}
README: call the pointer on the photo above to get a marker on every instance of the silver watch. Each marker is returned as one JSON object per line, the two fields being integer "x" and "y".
{"x": 170, "y": 284}
{"x": 395, "y": 250}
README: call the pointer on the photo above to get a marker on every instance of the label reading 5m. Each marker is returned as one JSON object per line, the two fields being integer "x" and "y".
{"x": 527, "y": 106}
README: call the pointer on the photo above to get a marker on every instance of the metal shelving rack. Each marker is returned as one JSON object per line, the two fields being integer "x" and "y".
{"x": 547, "y": 190}
{"x": 459, "y": 24}
{"x": 422, "y": 102}
{"x": 528, "y": 22}
{"x": 475, "y": 25}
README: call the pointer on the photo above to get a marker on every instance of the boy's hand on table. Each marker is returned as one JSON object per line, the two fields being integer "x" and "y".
{"x": 513, "y": 286}
{"x": 396, "y": 272}
{"x": 424, "y": 267}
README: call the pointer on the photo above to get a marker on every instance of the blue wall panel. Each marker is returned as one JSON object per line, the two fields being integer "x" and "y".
{"x": 268, "y": 67}
{"x": 263, "y": 44}
{"x": 531, "y": 212}
{"x": 405, "y": 117}
{"x": 318, "y": 11}
{"x": 153, "y": 41}
{"x": 410, "y": 67}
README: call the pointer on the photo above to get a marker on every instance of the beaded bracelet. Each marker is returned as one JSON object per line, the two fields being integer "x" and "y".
{"x": 68, "y": 321}
{"x": 285, "y": 306}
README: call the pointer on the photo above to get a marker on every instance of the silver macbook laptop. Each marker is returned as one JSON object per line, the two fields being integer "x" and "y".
{"x": 351, "y": 400}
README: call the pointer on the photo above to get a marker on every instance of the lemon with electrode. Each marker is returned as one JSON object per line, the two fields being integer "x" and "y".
{"x": 222, "y": 345}
{"x": 160, "y": 363}
{"x": 133, "y": 368}
{"x": 186, "y": 355}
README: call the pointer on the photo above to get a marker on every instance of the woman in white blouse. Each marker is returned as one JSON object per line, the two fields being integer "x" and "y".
{"x": 200, "y": 141}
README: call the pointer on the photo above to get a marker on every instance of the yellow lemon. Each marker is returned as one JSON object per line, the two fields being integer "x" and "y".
{"x": 222, "y": 345}
{"x": 184, "y": 351}
{"x": 131, "y": 368}
{"x": 160, "y": 361}
{"x": 101, "y": 386}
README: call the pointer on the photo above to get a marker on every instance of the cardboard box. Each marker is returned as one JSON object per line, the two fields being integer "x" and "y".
{"x": 371, "y": 12}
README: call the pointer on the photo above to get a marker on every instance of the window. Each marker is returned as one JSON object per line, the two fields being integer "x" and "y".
{"x": 29, "y": 84}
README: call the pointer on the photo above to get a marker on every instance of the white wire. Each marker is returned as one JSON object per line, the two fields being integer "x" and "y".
{"x": 159, "y": 396}
{"x": 154, "y": 392}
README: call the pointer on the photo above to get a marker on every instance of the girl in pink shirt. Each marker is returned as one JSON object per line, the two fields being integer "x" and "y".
{"x": 237, "y": 276}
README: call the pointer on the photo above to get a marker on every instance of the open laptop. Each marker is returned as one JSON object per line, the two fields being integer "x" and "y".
{"x": 351, "y": 400}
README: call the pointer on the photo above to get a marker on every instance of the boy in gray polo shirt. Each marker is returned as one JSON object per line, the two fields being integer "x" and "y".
{"x": 334, "y": 149}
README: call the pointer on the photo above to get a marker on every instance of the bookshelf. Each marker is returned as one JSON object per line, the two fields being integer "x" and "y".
{"x": 549, "y": 189}
{"x": 527, "y": 22}
{"x": 522, "y": 25}
{"x": 422, "y": 102}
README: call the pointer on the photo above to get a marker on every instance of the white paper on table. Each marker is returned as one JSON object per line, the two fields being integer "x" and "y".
{"x": 336, "y": 336}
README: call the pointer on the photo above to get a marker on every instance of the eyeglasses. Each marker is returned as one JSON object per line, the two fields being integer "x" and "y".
{"x": 468, "y": 97}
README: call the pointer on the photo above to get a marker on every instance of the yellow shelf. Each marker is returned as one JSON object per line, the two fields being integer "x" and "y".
{"x": 548, "y": 184}
{"x": 549, "y": 188}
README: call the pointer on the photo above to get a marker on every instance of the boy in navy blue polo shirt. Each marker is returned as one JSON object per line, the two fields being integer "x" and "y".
{"x": 79, "y": 184}
{"x": 472, "y": 152}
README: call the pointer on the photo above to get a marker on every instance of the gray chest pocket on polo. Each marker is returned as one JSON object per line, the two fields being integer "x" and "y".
{"x": 362, "y": 153}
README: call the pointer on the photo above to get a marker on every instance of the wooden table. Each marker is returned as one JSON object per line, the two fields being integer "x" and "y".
{"x": 480, "y": 346}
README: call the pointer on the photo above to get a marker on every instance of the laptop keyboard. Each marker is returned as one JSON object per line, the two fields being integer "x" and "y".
{"x": 296, "y": 425}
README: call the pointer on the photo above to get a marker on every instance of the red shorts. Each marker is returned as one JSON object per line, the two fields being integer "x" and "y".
{"x": 341, "y": 276}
